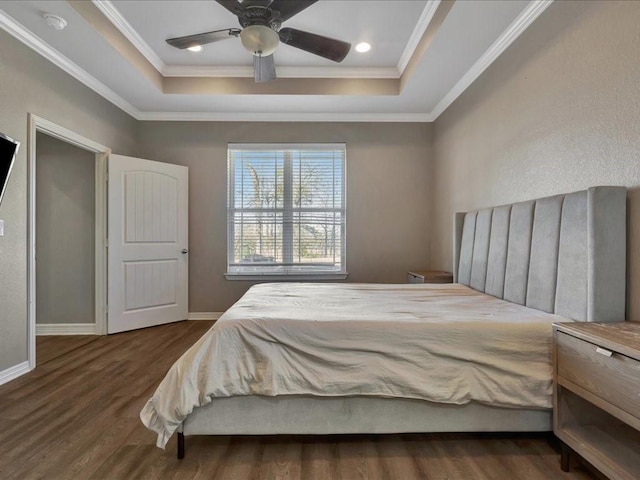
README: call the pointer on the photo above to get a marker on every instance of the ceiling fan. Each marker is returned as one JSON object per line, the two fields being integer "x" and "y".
{"x": 261, "y": 34}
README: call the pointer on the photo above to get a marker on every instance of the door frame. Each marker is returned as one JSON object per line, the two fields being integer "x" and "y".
{"x": 39, "y": 124}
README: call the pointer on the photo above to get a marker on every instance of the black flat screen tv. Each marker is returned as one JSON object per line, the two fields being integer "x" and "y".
{"x": 8, "y": 150}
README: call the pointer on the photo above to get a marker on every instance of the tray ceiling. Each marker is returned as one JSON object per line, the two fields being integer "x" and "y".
{"x": 424, "y": 54}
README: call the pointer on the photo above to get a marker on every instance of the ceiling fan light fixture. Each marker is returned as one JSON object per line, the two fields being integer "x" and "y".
{"x": 259, "y": 40}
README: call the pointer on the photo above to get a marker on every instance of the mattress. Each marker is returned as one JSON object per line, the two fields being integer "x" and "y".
{"x": 440, "y": 343}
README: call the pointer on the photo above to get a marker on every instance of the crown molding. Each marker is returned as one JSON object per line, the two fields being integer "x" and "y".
{"x": 338, "y": 72}
{"x": 109, "y": 10}
{"x": 513, "y": 31}
{"x": 208, "y": 71}
{"x": 12, "y": 27}
{"x": 283, "y": 72}
{"x": 414, "y": 40}
{"x": 284, "y": 117}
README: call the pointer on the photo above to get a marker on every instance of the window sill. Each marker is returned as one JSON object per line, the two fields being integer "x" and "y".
{"x": 270, "y": 277}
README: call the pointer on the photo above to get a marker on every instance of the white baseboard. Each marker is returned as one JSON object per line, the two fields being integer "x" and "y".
{"x": 204, "y": 315}
{"x": 66, "y": 329}
{"x": 14, "y": 372}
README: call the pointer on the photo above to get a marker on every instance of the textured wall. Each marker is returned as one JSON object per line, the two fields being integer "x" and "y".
{"x": 65, "y": 232}
{"x": 387, "y": 195}
{"x": 29, "y": 83}
{"x": 559, "y": 111}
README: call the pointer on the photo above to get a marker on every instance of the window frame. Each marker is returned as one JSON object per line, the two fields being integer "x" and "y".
{"x": 286, "y": 210}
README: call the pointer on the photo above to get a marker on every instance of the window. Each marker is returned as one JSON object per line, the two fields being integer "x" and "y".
{"x": 286, "y": 211}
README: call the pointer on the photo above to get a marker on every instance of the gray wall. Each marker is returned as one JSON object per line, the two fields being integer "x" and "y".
{"x": 65, "y": 232}
{"x": 29, "y": 83}
{"x": 387, "y": 195}
{"x": 559, "y": 111}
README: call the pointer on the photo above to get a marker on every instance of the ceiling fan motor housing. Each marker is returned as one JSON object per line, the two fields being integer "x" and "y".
{"x": 256, "y": 13}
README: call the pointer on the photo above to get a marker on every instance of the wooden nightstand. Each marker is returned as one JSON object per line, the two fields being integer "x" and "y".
{"x": 596, "y": 395}
{"x": 429, "y": 276}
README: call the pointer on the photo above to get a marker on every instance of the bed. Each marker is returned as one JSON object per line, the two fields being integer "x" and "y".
{"x": 366, "y": 358}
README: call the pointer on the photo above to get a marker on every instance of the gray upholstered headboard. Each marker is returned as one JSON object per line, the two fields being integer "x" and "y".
{"x": 564, "y": 254}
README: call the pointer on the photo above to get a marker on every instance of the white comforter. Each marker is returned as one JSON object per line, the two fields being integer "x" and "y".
{"x": 441, "y": 343}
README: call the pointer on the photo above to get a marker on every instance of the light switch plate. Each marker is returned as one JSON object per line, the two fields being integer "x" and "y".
{"x": 1, "y": 228}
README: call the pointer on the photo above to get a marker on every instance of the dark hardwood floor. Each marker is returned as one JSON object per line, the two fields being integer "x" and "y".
{"x": 76, "y": 417}
{"x": 49, "y": 347}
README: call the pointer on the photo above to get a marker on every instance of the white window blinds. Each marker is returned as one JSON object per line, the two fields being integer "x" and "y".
{"x": 286, "y": 209}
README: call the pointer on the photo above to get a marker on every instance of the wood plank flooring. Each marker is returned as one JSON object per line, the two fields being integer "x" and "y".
{"x": 76, "y": 417}
{"x": 49, "y": 347}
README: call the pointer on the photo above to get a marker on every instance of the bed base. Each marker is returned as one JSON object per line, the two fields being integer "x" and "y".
{"x": 301, "y": 415}
{"x": 180, "y": 445}
{"x": 576, "y": 246}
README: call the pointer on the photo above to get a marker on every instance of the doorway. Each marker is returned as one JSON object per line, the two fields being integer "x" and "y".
{"x": 65, "y": 246}
{"x": 71, "y": 243}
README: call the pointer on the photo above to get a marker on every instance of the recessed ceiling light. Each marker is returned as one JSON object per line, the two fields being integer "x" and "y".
{"x": 363, "y": 47}
{"x": 54, "y": 21}
{"x": 195, "y": 48}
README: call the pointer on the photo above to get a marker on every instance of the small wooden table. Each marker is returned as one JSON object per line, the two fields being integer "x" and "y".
{"x": 596, "y": 395}
{"x": 429, "y": 276}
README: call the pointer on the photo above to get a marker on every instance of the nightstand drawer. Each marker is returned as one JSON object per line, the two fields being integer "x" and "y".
{"x": 603, "y": 372}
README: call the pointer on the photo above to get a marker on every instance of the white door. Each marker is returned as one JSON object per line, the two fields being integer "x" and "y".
{"x": 148, "y": 243}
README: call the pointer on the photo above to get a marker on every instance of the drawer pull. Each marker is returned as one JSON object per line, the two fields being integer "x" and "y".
{"x": 604, "y": 351}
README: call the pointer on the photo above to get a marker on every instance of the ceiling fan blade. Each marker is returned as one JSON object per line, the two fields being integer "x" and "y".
{"x": 203, "y": 38}
{"x": 289, "y": 8}
{"x": 231, "y": 5}
{"x": 264, "y": 68}
{"x": 325, "y": 47}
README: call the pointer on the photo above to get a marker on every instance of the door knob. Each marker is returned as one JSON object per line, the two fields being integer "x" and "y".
{"x": 185, "y": 251}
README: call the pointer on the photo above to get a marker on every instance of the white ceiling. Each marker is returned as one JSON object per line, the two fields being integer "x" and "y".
{"x": 344, "y": 20}
{"x": 472, "y": 35}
